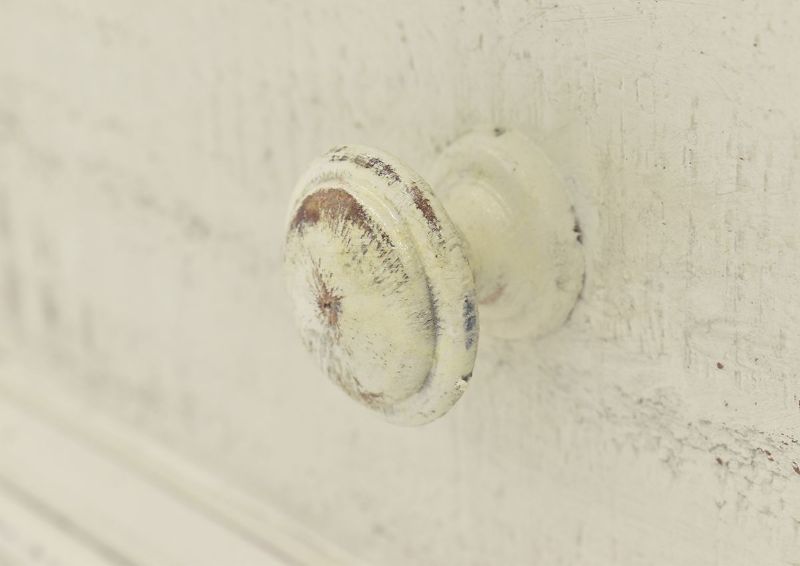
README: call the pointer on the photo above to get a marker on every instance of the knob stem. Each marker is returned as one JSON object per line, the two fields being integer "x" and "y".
{"x": 515, "y": 214}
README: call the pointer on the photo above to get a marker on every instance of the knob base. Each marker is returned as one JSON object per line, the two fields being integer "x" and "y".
{"x": 521, "y": 234}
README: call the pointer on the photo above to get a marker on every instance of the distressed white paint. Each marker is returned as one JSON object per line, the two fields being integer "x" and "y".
{"x": 367, "y": 236}
{"x": 148, "y": 156}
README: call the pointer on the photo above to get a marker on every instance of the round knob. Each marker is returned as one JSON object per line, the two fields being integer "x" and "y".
{"x": 386, "y": 278}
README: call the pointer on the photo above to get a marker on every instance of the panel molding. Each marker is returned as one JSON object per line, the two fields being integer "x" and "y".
{"x": 73, "y": 467}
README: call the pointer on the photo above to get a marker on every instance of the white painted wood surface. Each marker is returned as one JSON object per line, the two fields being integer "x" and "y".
{"x": 28, "y": 536}
{"x": 389, "y": 287}
{"x": 147, "y": 155}
{"x": 381, "y": 287}
{"x": 76, "y": 488}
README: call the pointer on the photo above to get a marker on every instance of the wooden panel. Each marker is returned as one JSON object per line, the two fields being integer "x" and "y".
{"x": 146, "y": 160}
{"x": 119, "y": 515}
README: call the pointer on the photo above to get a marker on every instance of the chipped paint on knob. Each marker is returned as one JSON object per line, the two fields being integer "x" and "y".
{"x": 382, "y": 288}
{"x": 385, "y": 284}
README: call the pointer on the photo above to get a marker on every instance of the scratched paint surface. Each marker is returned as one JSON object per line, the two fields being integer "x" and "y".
{"x": 146, "y": 161}
{"x": 382, "y": 291}
{"x": 346, "y": 274}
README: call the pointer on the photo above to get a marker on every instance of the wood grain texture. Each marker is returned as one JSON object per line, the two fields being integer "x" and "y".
{"x": 146, "y": 160}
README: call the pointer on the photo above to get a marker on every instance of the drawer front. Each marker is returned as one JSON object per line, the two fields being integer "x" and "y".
{"x": 147, "y": 159}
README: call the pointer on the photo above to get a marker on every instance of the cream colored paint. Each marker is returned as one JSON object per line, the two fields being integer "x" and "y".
{"x": 382, "y": 291}
{"x": 147, "y": 156}
{"x": 389, "y": 288}
{"x": 524, "y": 242}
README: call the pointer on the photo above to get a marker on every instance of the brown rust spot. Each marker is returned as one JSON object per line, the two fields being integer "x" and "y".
{"x": 352, "y": 386}
{"x": 339, "y": 208}
{"x": 796, "y": 468}
{"x": 373, "y": 400}
{"x": 720, "y": 365}
{"x": 494, "y": 295}
{"x": 424, "y": 206}
{"x": 378, "y": 166}
{"x": 334, "y": 203}
{"x": 719, "y": 461}
{"x": 329, "y": 302}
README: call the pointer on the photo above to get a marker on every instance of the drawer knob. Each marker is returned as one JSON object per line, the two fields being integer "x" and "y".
{"x": 388, "y": 278}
